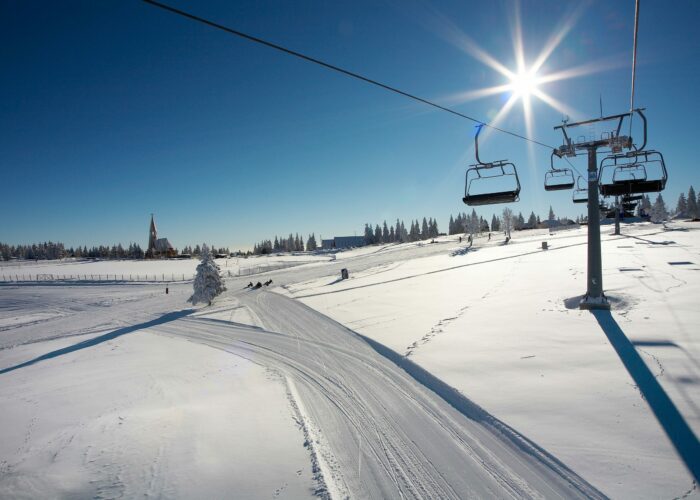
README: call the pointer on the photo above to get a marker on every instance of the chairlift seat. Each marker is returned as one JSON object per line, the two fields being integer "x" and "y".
{"x": 629, "y": 187}
{"x": 491, "y": 198}
{"x": 559, "y": 179}
{"x": 558, "y": 187}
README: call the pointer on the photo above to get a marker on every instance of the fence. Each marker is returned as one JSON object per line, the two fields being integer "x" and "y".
{"x": 92, "y": 278}
{"x": 264, "y": 268}
{"x": 7, "y": 277}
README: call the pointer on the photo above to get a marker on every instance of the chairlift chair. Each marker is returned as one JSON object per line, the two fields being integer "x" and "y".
{"x": 558, "y": 179}
{"x": 580, "y": 195}
{"x": 634, "y": 172}
{"x": 481, "y": 172}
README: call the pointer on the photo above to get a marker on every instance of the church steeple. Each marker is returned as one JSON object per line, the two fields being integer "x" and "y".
{"x": 152, "y": 236}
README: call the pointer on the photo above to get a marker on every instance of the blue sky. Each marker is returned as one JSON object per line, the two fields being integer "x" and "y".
{"x": 113, "y": 110}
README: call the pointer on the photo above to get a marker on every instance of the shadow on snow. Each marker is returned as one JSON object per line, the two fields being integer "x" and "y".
{"x": 172, "y": 316}
{"x": 672, "y": 422}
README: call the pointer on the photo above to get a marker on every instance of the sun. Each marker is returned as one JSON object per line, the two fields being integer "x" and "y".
{"x": 523, "y": 84}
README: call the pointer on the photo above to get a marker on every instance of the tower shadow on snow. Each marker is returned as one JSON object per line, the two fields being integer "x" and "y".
{"x": 171, "y": 316}
{"x": 672, "y": 422}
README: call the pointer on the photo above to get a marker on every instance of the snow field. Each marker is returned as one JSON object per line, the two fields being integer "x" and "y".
{"x": 330, "y": 415}
{"x": 147, "y": 415}
{"x": 500, "y": 332}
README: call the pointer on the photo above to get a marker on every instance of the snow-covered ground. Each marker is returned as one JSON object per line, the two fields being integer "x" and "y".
{"x": 478, "y": 376}
{"x": 146, "y": 270}
{"x": 499, "y": 323}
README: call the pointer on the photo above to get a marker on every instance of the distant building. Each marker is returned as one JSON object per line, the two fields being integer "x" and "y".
{"x": 158, "y": 248}
{"x": 343, "y": 242}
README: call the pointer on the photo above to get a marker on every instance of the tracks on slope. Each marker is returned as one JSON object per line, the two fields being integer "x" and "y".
{"x": 413, "y": 443}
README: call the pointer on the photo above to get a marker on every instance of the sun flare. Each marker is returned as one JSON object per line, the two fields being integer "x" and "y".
{"x": 524, "y": 84}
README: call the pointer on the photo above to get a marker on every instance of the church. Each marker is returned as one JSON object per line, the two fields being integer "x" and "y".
{"x": 158, "y": 248}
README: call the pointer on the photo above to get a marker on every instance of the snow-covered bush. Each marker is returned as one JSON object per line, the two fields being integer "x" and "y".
{"x": 207, "y": 283}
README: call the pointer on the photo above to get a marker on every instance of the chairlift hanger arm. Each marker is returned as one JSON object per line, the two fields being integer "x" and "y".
{"x": 644, "y": 121}
{"x": 595, "y": 120}
{"x": 476, "y": 143}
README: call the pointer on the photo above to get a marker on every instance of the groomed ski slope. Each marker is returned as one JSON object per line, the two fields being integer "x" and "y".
{"x": 353, "y": 416}
{"x": 376, "y": 431}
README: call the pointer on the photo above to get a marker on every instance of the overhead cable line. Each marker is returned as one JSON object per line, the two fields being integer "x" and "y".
{"x": 337, "y": 68}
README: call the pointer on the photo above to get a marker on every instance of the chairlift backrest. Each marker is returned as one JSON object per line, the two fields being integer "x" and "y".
{"x": 632, "y": 172}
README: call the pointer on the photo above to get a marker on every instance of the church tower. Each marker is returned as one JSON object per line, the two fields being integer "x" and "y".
{"x": 152, "y": 237}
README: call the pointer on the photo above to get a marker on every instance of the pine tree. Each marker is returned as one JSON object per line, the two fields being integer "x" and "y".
{"x": 424, "y": 234}
{"x": 207, "y": 282}
{"x": 693, "y": 203}
{"x": 311, "y": 243}
{"x": 682, "y": 205}
{"x": 658, "y": 211}
{"x": 532, "y": 220}
{"x": 551, "y": 214}
{"x": 451, "y": 226}
{"x": 377, "y": 234}
{"x": 385, "y": 233}
{"x": 495, "y": 223}
{"x": 392, "y": 235}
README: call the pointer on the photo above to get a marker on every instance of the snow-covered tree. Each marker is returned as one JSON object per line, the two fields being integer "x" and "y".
{"x": 682, "y": 205}
{"x": 693, "y": 203}
{"x": 519, "y": 221}
{"x": 644, "y": 206}
{"x": 658, "y": 210}
{"x": 507, "y": 221}
{"x": 207, "y": 282}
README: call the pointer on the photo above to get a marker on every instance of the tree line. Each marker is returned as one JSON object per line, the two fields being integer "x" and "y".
{"x": 293, "y": 243}
{"x": 197, "y": 250}
{"x": 397, "y": 233}
{"x": 55, "y": 250}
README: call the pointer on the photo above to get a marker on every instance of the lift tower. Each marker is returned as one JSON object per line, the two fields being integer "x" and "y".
{"x": 615, "y": 142}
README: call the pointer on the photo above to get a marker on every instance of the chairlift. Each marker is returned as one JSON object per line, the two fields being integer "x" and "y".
{"x": 580, "y": 195}
{"x": 634, "y": 172}
{"x": 481, "y": 175}
{"x": 558, "y": 179}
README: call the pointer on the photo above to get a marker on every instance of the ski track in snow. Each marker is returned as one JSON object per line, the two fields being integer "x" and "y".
{"x": 373, "y": 430}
